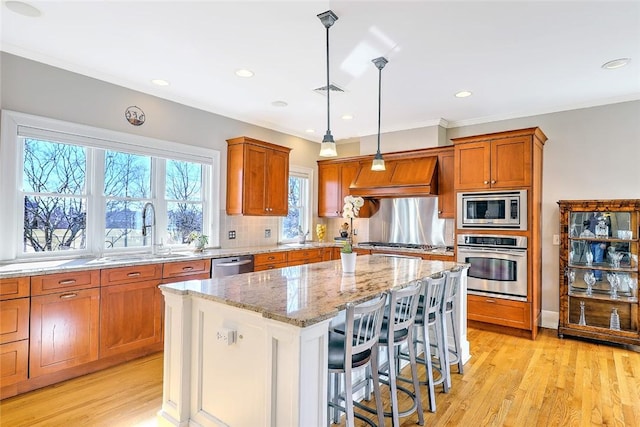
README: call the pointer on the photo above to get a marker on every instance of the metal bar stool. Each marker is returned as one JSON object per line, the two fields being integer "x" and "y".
{"x": 448, "y": 312}
{"x": 355, "y": 346}
{"x": 428, "y": 319}
{"x": 397, "y": 329}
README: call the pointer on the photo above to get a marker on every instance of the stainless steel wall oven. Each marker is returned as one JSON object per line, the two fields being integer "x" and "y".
{"x": 498, "y": 265}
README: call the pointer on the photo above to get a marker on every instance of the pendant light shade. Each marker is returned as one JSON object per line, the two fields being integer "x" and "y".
{"x": 328, "y": 147}
{"x": 378, "y": 161}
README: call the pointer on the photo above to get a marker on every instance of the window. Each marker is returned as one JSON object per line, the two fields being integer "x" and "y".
{"x": 55, "y": 199}
{"x": 81, "y": 190}
{"x": 299, "y": 217}
{"x": 184, "y": 200}
{"x": 127, "y": 187}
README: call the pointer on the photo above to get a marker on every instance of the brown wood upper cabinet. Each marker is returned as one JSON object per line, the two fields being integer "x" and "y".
{"x": 334, "y": 179}
{"x": 500, "y": 160}
{"x": 446, "y": 192}
{"x": 257, "y": 178}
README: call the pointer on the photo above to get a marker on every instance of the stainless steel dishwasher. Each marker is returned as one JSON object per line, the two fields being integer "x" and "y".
{"x": 233, "y": 265}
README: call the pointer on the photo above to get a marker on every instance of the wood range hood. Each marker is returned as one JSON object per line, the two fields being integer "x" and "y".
{"x": 405, "y": 176}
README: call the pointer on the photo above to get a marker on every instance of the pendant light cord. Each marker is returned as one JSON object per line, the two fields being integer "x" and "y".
{"x": 328, "y": 88}
{"x": 379, "y": 103}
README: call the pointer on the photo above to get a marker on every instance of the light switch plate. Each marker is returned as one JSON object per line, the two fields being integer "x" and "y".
{"x": 556, "y": 239}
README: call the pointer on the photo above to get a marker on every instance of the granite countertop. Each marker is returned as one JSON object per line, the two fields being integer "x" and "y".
{"x": 39, "y": 267}
{"x": 307, "y": 294}
{"x": 51, "y": 266}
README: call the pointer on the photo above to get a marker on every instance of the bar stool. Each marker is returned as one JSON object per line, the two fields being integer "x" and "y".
{"x": 428, "y": 318}
{"x": 448, "y": 312}
{"x": 397, "y": 329}
{"x": 355, "y": 346}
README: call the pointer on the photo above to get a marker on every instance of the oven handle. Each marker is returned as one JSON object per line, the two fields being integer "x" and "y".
{"x": 514, "y": 252}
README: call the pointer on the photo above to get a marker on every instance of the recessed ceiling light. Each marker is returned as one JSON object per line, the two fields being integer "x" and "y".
{"x": 23, "y": 8}
{"x": 347, "y": 117}
{"x": 309, "y": 130}
{"x": 244, "y": 73}
{"x": 616, "y": 63}
{"x": 463, "y": 94}
{"x": 279, "y": 104}
{"x": 160, "y": 82}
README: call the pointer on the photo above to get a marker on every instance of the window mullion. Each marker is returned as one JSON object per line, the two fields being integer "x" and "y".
{"x": 158, "y": 188}
{"x": 96, "y": 209}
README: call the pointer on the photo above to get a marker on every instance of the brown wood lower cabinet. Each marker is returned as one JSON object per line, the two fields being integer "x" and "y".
{"x": 64, "y": 330}
{"x": 304, "y": 256}
{"x": 269, "y": 260}
{"x": 131, "y": 317}
{"x": 503, "y": 312}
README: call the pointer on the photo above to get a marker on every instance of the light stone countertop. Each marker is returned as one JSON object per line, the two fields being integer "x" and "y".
{"x": 11, "y": 269}
{"x": 307, "y": 294}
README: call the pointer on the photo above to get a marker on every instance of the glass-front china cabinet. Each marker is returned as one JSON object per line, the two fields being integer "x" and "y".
{"x": 599, "y": 270}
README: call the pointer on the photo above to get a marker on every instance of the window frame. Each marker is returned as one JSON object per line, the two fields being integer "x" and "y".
{"x": 307, "y": 173}
{"x": 16, "y": 125}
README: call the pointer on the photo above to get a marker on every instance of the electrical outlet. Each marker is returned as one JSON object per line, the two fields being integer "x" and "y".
{"x": 226, "y": 335}
{"x": 267, "y": 232}
{"x": 232, "y": 234}
{"x": 556, "y": 239}
{"x": 355, "y": 231}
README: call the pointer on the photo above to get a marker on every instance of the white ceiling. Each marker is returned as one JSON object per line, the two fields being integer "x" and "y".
{"x": 519, "y": 58}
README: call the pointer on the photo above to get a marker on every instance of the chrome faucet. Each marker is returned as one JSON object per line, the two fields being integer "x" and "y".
{"x": 146, "y": 227}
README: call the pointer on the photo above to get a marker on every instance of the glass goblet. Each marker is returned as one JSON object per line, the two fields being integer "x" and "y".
{"x": 590, "y": 280}
{"x": 614, "y": 282}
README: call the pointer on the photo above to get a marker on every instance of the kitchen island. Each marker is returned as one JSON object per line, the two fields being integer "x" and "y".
{"x": 251, "y": 349}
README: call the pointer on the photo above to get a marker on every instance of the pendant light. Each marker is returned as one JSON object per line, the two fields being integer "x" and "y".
{"x": 328, "y": 147}
{"x": 378, "y": 161}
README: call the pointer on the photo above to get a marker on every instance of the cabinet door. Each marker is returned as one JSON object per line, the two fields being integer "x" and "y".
{"x": 511, "y": 162}
{"x": 64, "y": 330}
{"x": 255, "y": 184}
{"x": 446, "y": 193}
{"x": 278, "y": 183}
{"x": 131, "y": 317}
{"x": 329, "y": 190}
{"x": 235, "y": 172}
{"x": 472, "y": 166}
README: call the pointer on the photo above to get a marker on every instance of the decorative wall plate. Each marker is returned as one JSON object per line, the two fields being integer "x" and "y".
{"x": 135, "y": 115}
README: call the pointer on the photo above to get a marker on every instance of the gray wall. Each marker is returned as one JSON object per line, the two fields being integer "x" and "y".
{"x": 591, "y": 153}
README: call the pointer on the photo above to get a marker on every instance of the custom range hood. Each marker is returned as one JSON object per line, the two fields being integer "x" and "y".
{"x": 412, "y": 176}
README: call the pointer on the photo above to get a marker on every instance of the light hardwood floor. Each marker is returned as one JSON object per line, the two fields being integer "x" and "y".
{"x": 509, "y": 381}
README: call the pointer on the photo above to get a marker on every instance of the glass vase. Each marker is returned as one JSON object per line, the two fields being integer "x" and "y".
{"x": 582, "y": 321}
{"x": 614, "y": 321}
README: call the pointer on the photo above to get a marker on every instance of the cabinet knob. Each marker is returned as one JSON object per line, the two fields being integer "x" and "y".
{"x": 485, "y": 182}
{"x": 439, "y": 212}
{"x": 493, "y": 181}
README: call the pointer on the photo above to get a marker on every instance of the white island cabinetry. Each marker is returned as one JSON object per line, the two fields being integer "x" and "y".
{"x": 251, "y": 349}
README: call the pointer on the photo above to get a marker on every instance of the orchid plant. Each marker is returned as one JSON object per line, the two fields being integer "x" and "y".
{"x": 352, "y": 205}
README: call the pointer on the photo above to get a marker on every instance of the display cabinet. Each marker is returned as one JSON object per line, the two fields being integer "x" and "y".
{"x": 599, "y": 270}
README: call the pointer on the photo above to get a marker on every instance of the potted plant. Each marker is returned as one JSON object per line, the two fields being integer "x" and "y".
{"x": 199, "y": 240}
{"x": 350, "y": 210}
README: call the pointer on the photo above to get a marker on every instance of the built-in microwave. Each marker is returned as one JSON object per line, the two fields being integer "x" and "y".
{"x": 493, "y": 210}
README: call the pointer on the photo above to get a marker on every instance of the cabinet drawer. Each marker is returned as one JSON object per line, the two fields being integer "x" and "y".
{"x": 14, "y": 320}
{"x": 503, "y": 312}
{"x": 16, "y": 287}
{"x": 51, "y": 283}
{"x": 135, "y": 273}
{"x": 13, "y": 362}
{"x": 306, "y": 255}
{"x": 271, "y": 266}
{"x": 269, "y": 258}
{"x": 196, "y": 267}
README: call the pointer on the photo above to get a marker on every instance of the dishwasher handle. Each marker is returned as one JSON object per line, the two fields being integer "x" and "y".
{"x": 234, "y": 263}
